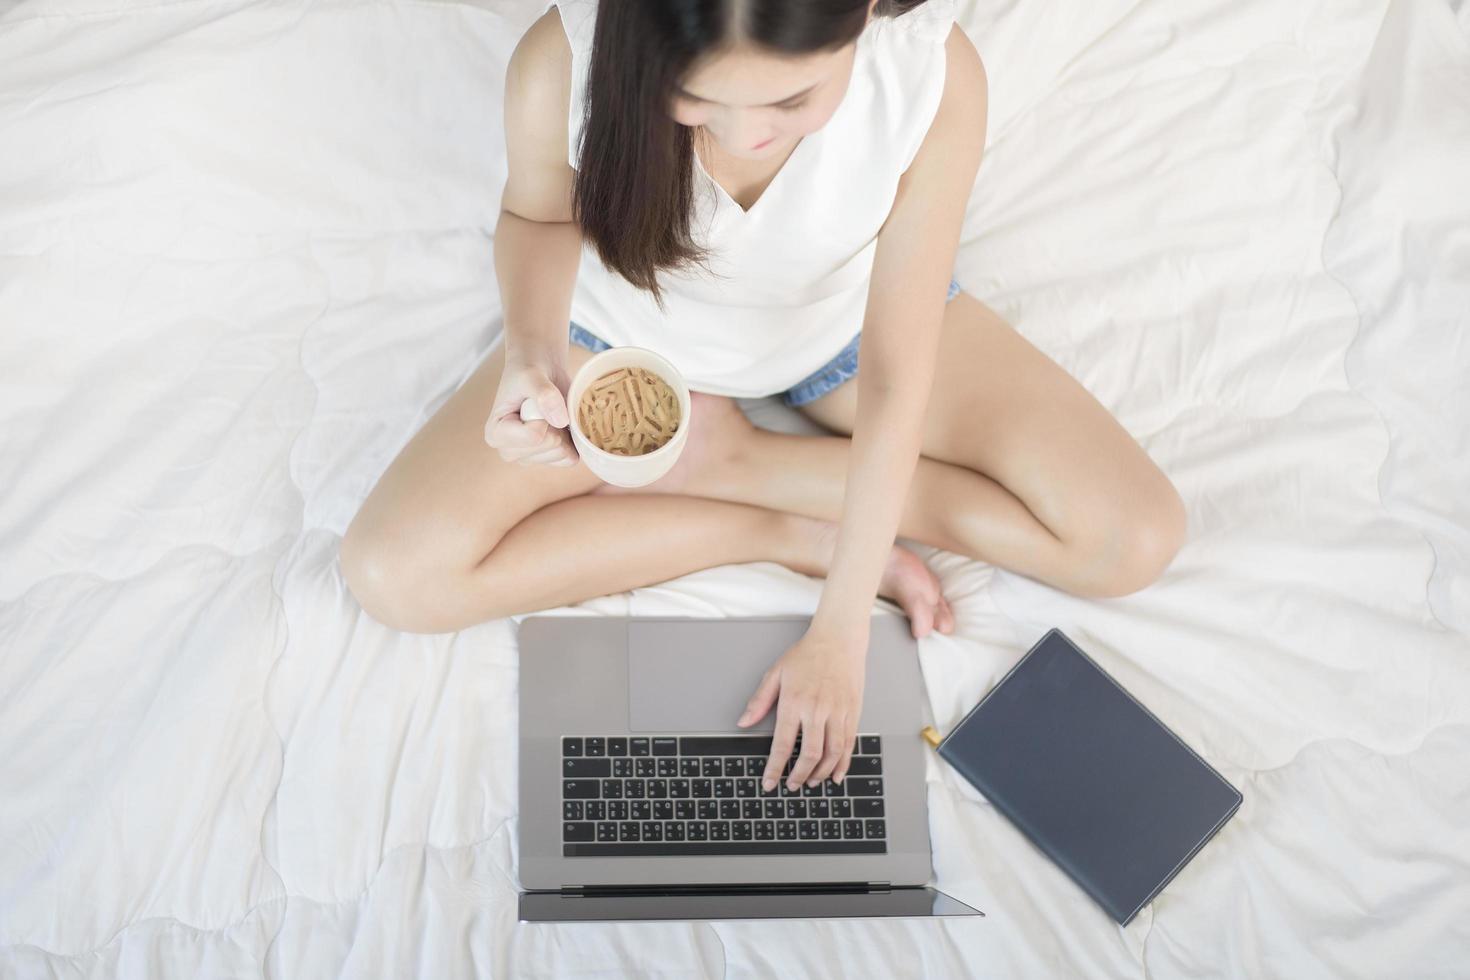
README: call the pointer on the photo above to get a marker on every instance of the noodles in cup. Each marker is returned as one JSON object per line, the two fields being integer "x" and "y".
{"x": 630, "y": 412}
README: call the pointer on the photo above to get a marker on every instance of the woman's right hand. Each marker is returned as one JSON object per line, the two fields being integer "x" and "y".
{"x": 540, "y": 442}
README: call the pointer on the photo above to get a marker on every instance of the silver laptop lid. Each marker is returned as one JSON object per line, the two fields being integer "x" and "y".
{"x": 671, "y": 676}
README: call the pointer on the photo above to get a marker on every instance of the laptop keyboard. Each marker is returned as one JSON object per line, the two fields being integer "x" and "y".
{"x": 701, "y": 794}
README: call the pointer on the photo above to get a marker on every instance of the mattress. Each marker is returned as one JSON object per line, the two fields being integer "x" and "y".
{"x": 246, "y": 251}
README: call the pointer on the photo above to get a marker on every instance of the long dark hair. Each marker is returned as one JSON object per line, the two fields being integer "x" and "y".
{"x": 634, "y": 188}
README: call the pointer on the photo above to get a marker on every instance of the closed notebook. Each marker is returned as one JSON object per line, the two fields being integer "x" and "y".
{"x": 1086, "y": 772}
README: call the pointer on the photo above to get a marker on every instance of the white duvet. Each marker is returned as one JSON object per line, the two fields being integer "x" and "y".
{"x": 245, "y": 252}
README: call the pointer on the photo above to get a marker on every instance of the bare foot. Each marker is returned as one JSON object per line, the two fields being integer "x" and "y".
{"x": 717, "y": 426}
{"x": 906, "y": 579}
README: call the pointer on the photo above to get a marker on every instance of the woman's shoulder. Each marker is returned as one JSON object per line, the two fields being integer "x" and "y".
{"x": 543, "y": 49}
{"x": 552, "y": 59}
{"x": 539, "y": 76}
{"x": 573, "y": 19}
{"x": 930, "y": 21}
{"x": 908, "y": 50}
{"x": 904, "y": 76}
{"x": 538, "y": 87}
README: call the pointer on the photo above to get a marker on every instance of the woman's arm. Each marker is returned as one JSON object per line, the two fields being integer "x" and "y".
{"x": 911, "y": 272}
{"x": 817, "y": 685}
{"x": 537, "y": 242}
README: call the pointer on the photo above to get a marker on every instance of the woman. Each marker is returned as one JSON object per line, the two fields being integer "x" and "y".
{"x": 748, "y": 187}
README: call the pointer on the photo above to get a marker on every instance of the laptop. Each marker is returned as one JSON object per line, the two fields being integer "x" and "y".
{"x": 641, "y": 799}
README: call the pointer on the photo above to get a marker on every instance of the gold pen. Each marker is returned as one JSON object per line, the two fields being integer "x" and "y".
{"x": 931, "y": 736}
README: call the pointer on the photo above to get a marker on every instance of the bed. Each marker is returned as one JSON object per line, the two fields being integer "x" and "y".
{"x": 246, "y": 251}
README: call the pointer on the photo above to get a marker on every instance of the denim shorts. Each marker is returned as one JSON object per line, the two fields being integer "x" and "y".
{"x": 841, "y": 368}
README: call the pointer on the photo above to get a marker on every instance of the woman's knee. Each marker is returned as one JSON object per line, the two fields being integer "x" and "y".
{"x": 1135, "y": 548}
{"x": 368, "y": 571}
{"x": 387, "y": 583}
{"x": 414, "y": 594}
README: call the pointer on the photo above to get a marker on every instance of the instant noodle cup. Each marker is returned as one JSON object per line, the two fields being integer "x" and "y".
{"x": 643, "y": 423}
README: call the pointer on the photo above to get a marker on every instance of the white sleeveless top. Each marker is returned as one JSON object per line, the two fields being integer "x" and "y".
{"x": 797, "y": 264}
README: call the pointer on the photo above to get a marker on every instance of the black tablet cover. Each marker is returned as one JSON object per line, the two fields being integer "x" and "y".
{"x": 1090, "y": 775}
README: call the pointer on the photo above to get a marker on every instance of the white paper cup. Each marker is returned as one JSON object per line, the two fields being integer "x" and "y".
{"x": 623, "y": 471}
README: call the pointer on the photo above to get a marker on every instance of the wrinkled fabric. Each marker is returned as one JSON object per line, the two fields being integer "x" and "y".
{"x": 245, "y": 253}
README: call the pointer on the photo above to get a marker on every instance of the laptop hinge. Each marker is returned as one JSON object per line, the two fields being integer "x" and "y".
{"x": 807, "y": 887}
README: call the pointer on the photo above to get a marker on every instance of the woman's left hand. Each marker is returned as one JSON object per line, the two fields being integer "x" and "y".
{"x": 817, "y": 687}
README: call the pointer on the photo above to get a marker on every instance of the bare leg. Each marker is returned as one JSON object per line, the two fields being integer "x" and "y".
{"x": 1022, "y": 467}
{"x": 452, "y": 535}
{"x": 587, "y": 546}
{"x": 592, "y": 546}
{"x": 948, "y": 506}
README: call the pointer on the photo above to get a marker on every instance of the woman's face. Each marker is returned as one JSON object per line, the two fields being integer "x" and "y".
{"x": 757, "y": 104}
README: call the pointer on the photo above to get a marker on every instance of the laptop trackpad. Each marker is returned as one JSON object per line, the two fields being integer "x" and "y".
{"x": 680, "y": 686}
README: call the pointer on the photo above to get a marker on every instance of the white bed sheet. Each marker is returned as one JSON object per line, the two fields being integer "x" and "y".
{"x": 245, "y": 251}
